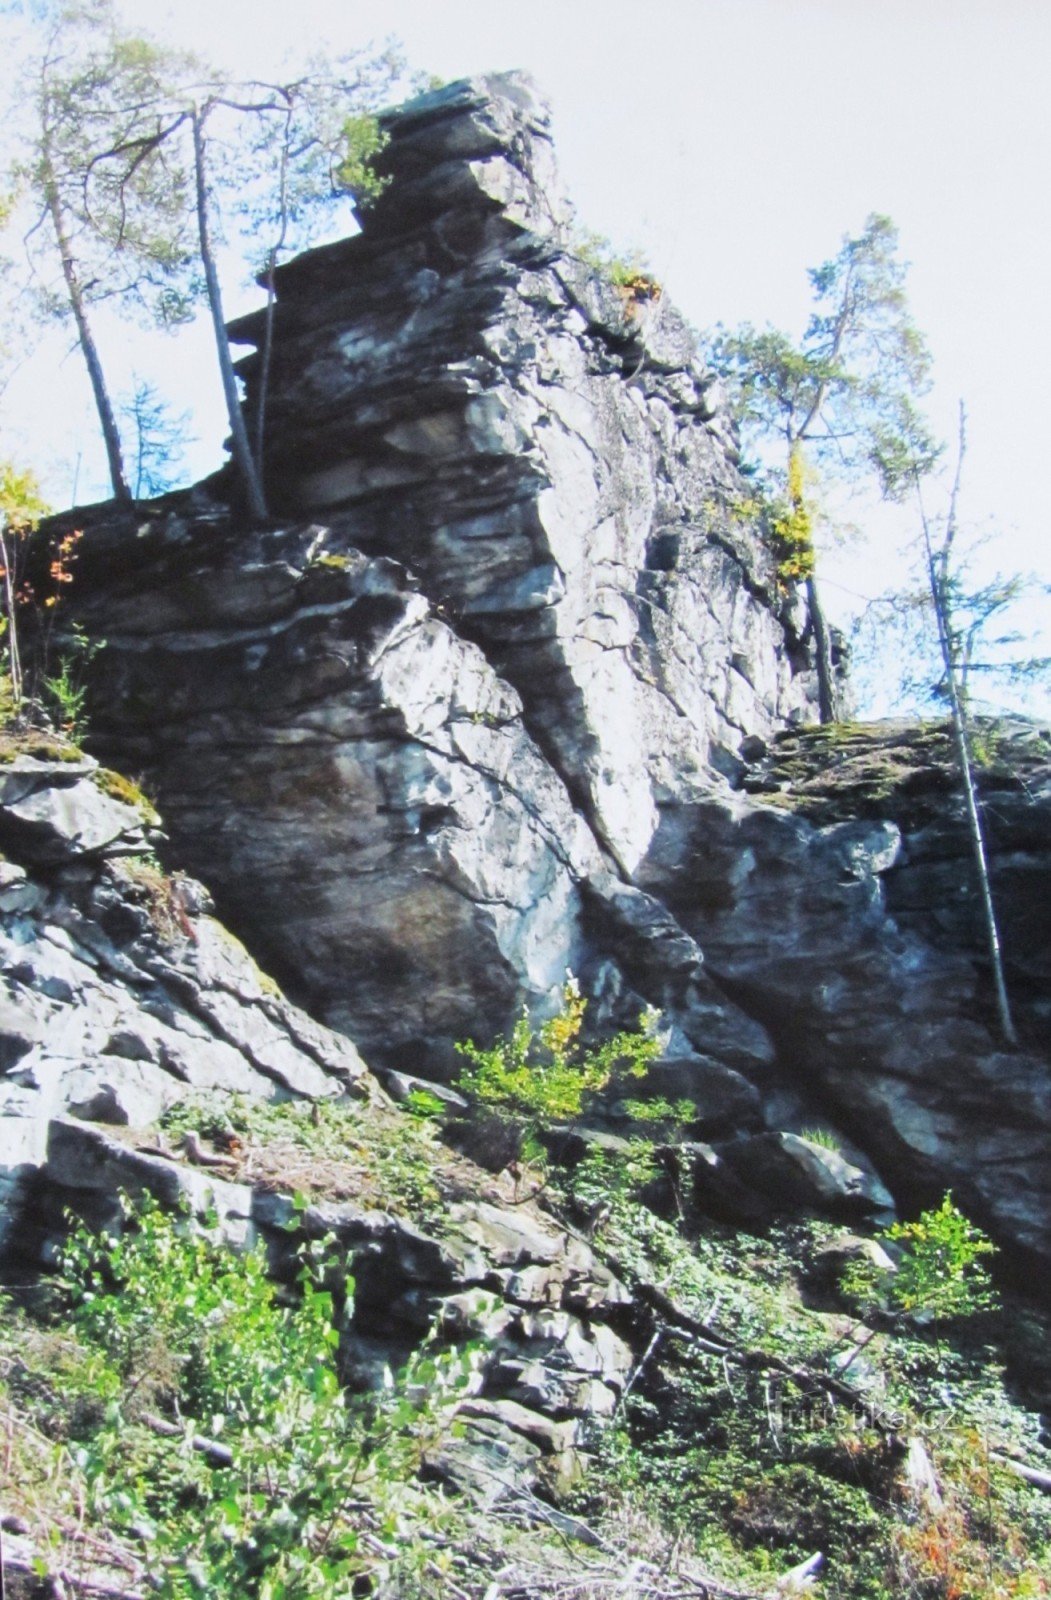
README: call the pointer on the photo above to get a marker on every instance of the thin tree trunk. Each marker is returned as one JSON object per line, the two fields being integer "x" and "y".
{"x": 981, "y": 862}
{"x": 937, "y": 572}
{"x": 14, "y": 658}
{"x": 264, "y": 363}
{"x": 107, "y": 420}
{"x": 266, "y": 354}
{"x": 826, "y": 678}
{"x": 242, "y": 452}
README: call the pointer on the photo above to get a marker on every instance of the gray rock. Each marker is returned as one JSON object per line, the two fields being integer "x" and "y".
{"x": 46, "y": 819}
{"x": 115, "y": 1005}
{"x": 888, "y": 1031}
{"x": 491, "y": 679}
{"x": 401, "y": 1085}
{"x": 552, "y": 482}
{"x": 793, "y": 1173}
{"x": 81, "y": 1157}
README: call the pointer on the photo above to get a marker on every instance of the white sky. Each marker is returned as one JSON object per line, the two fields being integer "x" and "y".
{"x": 734, "y": 142}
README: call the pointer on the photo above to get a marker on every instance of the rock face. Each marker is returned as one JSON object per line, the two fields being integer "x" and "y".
{"x": 855, "y": 942}
{"x": 456, "y": 390}
{"x": 533, "y": 609}
{"x": 482, "y": 706}
{"x": 119, "y": 995}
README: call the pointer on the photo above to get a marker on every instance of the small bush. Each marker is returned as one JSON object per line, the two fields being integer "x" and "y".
{"x": 203, "y": 1337}
{"x": 939, "y": 1274}
{"x": 533, "y": 1078}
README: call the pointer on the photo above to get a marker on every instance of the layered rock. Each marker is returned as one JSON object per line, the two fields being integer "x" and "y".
{"x": 532, "y": 610}
{"x": 361, "y": 793}
{"x": 472, "y": 712}
{"x": 869, "y": 983}
{"x": 119, "y": 994}
{"x": 121, "y": 997}
{"x": 457, "y": 389}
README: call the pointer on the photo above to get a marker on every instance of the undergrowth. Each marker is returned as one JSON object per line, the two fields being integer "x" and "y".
{"x": 756, "y": 1463}
{"x": 172, "y": 1419}
{"x": 175, "y": 1423}
{"x": 336, "y": 1149}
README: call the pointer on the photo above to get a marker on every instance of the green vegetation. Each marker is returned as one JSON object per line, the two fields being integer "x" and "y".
{"x": 629, "y": 274}
{"x": 65, "y": 691}
{"x": 668, "y": 1115}
{"x": 332, "y": 1148}
{"x": 129, "y": 793}
{"x": 843, "y": 397}
{"x": 199, "y": 1425}
{"x": 136, "y": 157}
{"x": 533, "y": 1078}
{"x": 823, "y": 1137}
{"x": 170, "y": 1411}
{"x": 29, "y": 605}
{"x": 938, "y": 1273}
{"x": 766, "y": 1426}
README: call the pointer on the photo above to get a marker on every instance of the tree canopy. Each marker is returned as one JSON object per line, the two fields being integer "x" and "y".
{"x": 139, "y": 161}
{"x": 842, "y": 400}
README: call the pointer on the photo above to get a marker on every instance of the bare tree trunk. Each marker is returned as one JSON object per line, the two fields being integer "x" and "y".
{"x": 981, "y": 862}
{"x": 242, "y": 452}
{"x": 14, "y": 657}
{"x": 265, "y": 356}
{"x": 266, "y": 353}
{"x": 937, "y": 573}
{"x": 107, "y": 420}
{"x": 826, "y": 678}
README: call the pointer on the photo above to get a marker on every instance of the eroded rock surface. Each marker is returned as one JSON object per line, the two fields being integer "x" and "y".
{"x": 119, "y": 994}
{"x": 473, "y": 710}
{"x": 397, "y": 741}
{"x": 121, "y": 997}
{"x": 857, "y": 943}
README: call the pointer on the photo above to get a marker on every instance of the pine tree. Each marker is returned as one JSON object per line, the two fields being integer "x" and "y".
{"x": 101, "y": 234}
{"x": 842, "y": 399}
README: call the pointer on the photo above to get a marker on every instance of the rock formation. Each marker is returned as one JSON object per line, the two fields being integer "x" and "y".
{"x": 487, "y": 701}
{"x": 121, "y": 996}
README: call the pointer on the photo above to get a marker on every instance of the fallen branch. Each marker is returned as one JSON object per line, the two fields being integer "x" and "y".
{"x": 216, "y": 1454}
{"x": 638, "y": 1370}
{"x": 1033, "y": 1475}
{"x": 705, "y": 1338}
{"x": 64, "y": 1583}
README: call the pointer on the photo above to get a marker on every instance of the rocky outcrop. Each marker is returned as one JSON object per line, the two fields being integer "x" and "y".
{"x": 363, "y": 794}
{"x": 534, "y": 606}
{"x": 119, "y": 994}
{"x": 122, "y": 997}
{"x": 510, "y": 687}
{"x": 870, "y": 984}
{"x": 455, "y": 388}
{"x": 905, "y": 775}
{"x": 542, "y": 1310}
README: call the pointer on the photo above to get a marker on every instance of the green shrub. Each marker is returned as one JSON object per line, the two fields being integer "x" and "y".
{"x": 66, "y": 690}
{"x": 533, "y": 1078}
{"x": 939, "y": 1275}
{"x": 202, "y": 1335}
{"x": 672, "y": 1114}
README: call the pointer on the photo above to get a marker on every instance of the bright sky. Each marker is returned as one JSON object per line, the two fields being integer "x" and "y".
{"x": 735, "y": 142}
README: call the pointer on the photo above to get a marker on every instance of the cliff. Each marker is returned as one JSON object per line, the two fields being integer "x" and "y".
{"x": 509, "y": 686}
{"x": 473, "y": 711}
